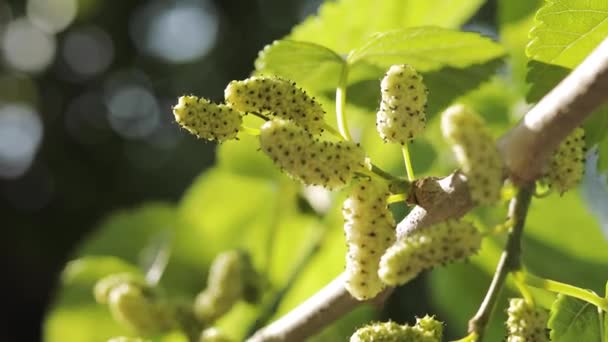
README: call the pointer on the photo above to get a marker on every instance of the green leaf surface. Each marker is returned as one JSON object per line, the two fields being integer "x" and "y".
{"x": 427, "y": 48}
{"x": 572, "y": 320}
{"x": 313, "y": 66}
{"x": 346, "y": 24}
{"x": 567, "y": 31}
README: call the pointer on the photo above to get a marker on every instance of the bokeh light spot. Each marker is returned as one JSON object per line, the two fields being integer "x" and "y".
{"x": 177, "y": 32}
{"x": 88, "y": 51}
{"x": 133, "y": 111}
{"x": 27, "y": 48}
{"x": 20, "y": 136}
{"x": 52, "y": 16}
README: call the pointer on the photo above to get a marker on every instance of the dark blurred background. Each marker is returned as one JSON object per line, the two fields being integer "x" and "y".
{"x": 86, "y": 88}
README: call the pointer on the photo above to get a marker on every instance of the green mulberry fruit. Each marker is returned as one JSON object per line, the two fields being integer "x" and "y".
{"x": 138, "y": 309}
{"x": 370, "y": 229}
{"x": 224, "y": 287}
{"x": 307, "y": 159}
{"x": 206, "y": 119}
{"x": 525, "y": 322}
{"x": 427, "y": 329}
{"x": 475, "y": 151}
{"x": 568, "y": 162}
{"x": 401, "y": 116}
{"x": 426, "y": 248}
{"x": 279, "y": 98}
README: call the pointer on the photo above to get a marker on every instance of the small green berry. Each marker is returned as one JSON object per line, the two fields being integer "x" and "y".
{"x": 525, "y": 322}
{"x": 277, "y": 97}
{"x": 427, "y": 329}
{"x": 137, "y": 309}
{"x": 224, "y": 287}
{"x": 401, "y": 116}
{"x": 426, "y": 248}
{"x": 567, "y": 164}
{"x": 370, "y": 229}
{"x": 105, "y": 285}
{"x": 475, "y": 151}
{"x": 206, "y": 119}
{"x": 307, "y": 159}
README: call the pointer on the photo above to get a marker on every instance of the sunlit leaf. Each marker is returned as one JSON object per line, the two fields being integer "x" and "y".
{"x": 572, "y": 320}
{"x": 311, "y": 65}
{"x": 427, "y": 48}
{"x": 566, "y": 32}
{"x": 346, "y": 24}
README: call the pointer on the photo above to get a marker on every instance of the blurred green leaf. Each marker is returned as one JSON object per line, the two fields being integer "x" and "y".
{"x": 603, "y": 155}
{"x": 572, "y": 320}
{"x": 569, "y": 247}
{"x": 74, "y": 315}
{"x": 244, "y": 157}
{"x": 457, "y": 291}
{"x": 596, "y": 128}
{"x": 427, "y": 48}
{"x": 346, "y": 24}
{"x": 228, "y": 210}
{"x": 311, "y": 65}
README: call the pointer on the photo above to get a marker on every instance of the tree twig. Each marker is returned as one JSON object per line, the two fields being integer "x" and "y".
{"x": 509, "y": 261}
{"x": 524, "y": 148}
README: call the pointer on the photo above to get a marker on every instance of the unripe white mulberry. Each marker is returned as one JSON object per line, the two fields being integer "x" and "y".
{"x": 133, "y": 307}
{"x": 426, "y": 248}
{"x": 307, "y": 159}
{"x": 105, "y": 285}
{"x": 401, "y": 116}
{"x": 526, "y": 323}
{"x": 427, "y": 329}
{"x": 206, "y": 119}
{"x": 568, "y": 162}
{"x": 370, "y": 229}
{"x": 278, "y": 97}
{"x": 224, "y": 287}
{"x": 475, "y": 151}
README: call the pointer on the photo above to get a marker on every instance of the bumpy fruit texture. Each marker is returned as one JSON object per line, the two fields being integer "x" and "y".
{"x": 224, "y": 287}
{"x": 105, "y": 285}
{"x": 426, "y": 329}
{"x": 568, "y": 162}
{"x": 426, "y": 248}
{"x": 310, "y": 160}
{"x": 277, "y": 97}
{"x": 475, "y": 151}
{"x": 131, "y": 306}
{"x": 526, "y": 323}
{"x": 401, "y": 116}
{"x": 213, "y": 335}
{"x": 370, "y": 229}
{"x": 206, "y": 119}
